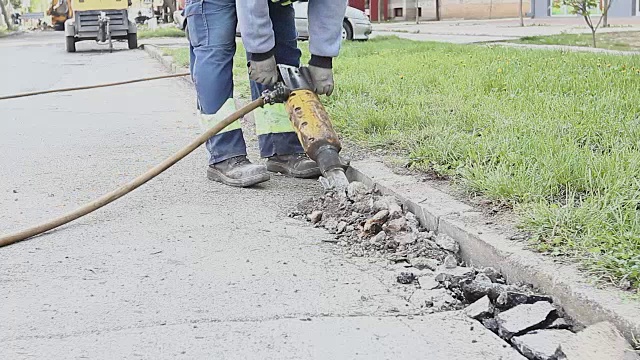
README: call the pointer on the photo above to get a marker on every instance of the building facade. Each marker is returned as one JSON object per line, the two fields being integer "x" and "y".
{"x": 405, "y": 10}
{"x": 554, "y": 8}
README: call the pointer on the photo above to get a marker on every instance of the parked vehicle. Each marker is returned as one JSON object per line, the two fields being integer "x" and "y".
{"x": 356, "y": 25}
{"x": 102, "y": 21}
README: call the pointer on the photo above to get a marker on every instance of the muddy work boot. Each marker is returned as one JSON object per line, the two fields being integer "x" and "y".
{"x": 237, "y": 171}
{"x": 296, "y": 165}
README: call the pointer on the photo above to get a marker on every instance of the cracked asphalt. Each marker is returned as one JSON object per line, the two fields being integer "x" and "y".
{"x": 182, "y": 267}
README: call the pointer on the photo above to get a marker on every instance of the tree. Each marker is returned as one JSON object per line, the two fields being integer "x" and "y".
{"x": 417, "y": 11}
{"x": 521, "y": 15}
{"x": 605, "y": 16}
{"x": 5, "y": 14}
{"x": 584, "y": 7}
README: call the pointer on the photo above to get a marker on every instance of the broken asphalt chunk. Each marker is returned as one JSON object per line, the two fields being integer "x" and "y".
{"x": 523, "y": 318}
{"x": 479, "y": 309}
{"x": 455, "y": 276}
{"x": 406, "y": 278}
{"x": 422, "y": 263}
{"x": 315, "y": 217}
{"x": 450, "y": 262}
{"x": 428, "y": 282}
{"x": 541, "y": 344}
{"x": 447, "y": 243}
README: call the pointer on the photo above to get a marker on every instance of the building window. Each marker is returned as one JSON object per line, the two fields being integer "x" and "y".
{"x": 558, "y": 9}
{"x": 397, "y": 12}
{"x": 420, "y": 11}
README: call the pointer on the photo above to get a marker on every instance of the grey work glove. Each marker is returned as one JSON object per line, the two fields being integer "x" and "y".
{"x": 322, "y": 79}
{"x": 263, "y": 72}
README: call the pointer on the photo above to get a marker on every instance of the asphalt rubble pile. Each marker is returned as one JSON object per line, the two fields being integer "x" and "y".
{"x": 367, "y": 224}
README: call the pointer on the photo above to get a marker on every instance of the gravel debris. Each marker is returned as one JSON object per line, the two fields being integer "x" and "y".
{"x": 367, "y": 224}
{"x": 406, "y": 278}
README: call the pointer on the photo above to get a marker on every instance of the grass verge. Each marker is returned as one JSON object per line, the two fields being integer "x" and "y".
{"x": 626, "y": 40}
{"x": 554, "y": 135}
{"x": 241, "y": 81}
{"x": 169, "y": 31}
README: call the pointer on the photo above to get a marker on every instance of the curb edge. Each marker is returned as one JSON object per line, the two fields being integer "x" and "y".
{"x": 482, "y": 245}
{"x": 166, "y": 61}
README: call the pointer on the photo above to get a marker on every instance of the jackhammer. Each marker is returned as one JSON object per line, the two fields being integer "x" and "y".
{"x": 309, "y": 119}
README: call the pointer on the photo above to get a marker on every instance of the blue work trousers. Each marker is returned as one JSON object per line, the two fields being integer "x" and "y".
{"x": 212, "y": 39}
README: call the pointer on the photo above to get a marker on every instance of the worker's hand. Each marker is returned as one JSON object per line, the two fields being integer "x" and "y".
{"x": 322, "y": 79}
{"x": 264, "y": 71}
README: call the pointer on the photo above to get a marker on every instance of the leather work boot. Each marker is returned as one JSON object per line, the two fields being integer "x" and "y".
{"x": 296, "y": 165}
{"x": 237, "y": 171}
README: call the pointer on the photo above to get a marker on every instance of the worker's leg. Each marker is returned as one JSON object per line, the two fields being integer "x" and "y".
{"x": 276, "y": 136}
{"x": 212, "y": 26}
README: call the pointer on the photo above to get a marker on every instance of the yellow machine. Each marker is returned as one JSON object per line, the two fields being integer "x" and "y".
{"x": 102, "y": 21}
{"x": 60, "y": 11}
{"x": 312, "y": 125}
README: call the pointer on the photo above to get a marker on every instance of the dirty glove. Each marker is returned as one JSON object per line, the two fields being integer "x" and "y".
{"x": 321, "y": 74}
{"x": 322, "y": 80}
{"x": 264, "y": 71}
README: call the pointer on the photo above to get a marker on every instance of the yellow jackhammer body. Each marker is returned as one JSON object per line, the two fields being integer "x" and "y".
{"x": 313, "y": 126}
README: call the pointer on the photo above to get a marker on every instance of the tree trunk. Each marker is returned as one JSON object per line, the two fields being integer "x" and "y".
{"x": 605, "y": 14}
{"x": 521, "y": 15}
{"x": 593, "y": 33}
{"x": 417, "y": 11}
{"x": 5, "y": 14}
{"x": 380, "y": 2}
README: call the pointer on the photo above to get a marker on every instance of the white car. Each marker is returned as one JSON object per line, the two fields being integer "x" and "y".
{"x": 356, "y": 25}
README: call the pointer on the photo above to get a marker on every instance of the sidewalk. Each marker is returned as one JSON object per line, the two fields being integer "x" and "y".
{"x": 470, "y": 31}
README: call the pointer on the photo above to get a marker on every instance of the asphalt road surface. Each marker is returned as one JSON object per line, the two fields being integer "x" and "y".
{"x": 182, "y": 267}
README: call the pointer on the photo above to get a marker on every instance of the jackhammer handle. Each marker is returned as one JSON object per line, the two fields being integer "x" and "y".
{"x": 133, "y": 184}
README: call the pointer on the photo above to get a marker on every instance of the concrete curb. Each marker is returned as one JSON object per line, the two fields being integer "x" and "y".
{"x": 481, "y": 244}
{"x": 165, "y": 60}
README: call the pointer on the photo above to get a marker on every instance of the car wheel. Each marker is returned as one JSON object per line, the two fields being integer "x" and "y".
{"x": 132, "y": 40}
{"x": 70, "y": 43}
{"x": 347, "y": 33}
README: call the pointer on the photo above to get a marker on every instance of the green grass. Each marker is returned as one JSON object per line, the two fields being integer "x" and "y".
{"x": 3, "y": 32}
{"x": 241, "y": 81}
{"x": 554, "y": 135}
{"x": 169, "y": 31}
{"x": 627, "y": 40}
